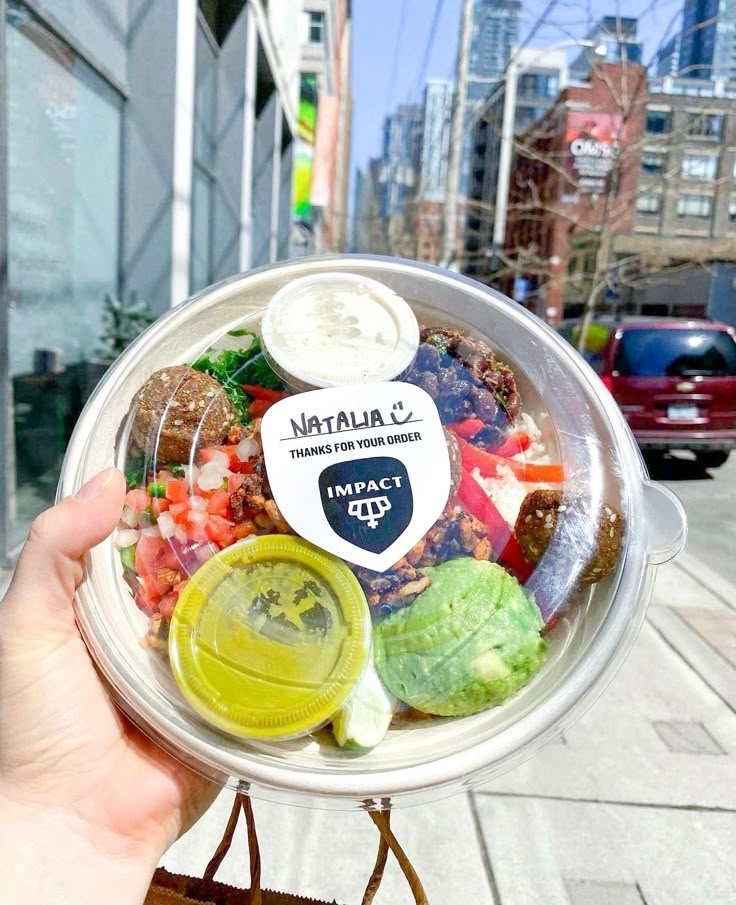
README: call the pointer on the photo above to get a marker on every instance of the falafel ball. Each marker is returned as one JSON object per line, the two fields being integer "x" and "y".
{"x": 178, "y": 408}
{"x": 537, "y": 521}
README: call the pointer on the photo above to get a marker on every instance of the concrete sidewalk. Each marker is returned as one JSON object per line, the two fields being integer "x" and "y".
{"x": 636, "y": 805}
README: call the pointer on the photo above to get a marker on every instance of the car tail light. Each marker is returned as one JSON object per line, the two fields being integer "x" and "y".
{"x": 607, "y": 382}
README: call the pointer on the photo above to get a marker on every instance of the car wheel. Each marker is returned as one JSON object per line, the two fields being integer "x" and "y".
{"x": 712, "y": 458}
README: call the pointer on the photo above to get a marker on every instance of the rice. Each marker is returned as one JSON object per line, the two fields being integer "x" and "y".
{"x": 505, "y": 490}
{"x": 537, "y": 451}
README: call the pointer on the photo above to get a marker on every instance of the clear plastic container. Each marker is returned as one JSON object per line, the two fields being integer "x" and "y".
{"x": 598, "y": 515}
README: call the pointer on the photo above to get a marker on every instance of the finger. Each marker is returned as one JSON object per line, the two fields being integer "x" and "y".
{"x": 51, "y": 562}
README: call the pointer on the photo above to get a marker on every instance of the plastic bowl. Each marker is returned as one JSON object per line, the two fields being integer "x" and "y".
{"x": 582, "y": 426}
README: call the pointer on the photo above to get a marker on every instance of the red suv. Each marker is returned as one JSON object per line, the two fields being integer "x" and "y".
{"x": 675, "y": 381}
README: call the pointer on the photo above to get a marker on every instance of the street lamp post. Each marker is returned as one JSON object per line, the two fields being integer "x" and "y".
{"x": 457, "y": 131}
{"x": 517, "y": 67}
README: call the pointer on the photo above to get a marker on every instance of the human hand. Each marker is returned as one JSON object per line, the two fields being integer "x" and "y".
{"x": 88, "y": 804}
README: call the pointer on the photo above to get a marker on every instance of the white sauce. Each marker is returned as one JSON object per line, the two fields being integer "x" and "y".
{"x": 341, "y": 329}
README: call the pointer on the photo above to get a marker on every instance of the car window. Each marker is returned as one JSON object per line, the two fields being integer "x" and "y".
{"x": 676, "y": 353}
{"x": 597, "y": 361}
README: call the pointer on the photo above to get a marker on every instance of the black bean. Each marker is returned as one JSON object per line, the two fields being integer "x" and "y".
{"x": 485, "y": 406}
{"x": 428, "y": 357}
{"x": 429, "y": 383}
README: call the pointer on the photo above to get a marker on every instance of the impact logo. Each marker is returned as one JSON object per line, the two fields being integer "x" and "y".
{"x": 367, "y": 502}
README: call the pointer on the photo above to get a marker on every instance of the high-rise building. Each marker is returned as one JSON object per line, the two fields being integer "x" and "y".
{"x": 323, "y": 142}
{"x": 531, "y": 86}
{"x": 671, "y": 202}
{"x": 429, "y": 211}
{"x": 708, "y": 40}
{"x": 361, "y": 202}
{"x": 436, "y": 139}
{"x": 400, "y": 158}
{"x": 668, "y": 57}
{"x": 495, "y": 33}
{"x": 618, "y": 36}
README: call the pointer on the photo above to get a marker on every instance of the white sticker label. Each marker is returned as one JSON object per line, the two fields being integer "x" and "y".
{"x": 360, "y": 471}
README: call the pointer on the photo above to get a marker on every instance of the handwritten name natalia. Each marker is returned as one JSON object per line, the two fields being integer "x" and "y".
{"x": 310, "y": 425}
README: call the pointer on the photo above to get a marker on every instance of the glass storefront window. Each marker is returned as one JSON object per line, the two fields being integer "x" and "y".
{"x": 64, "y": 136}
{"x": 201, "y": 263}
{"x": 205, "y": 100}
{"x": 102, "y": 24}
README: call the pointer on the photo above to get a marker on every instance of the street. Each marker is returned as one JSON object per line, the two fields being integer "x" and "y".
{"x": 635, "y": 805}
{"x": 710, "y": 501}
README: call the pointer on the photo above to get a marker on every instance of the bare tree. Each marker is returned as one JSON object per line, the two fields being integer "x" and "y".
{"x": 550, "y": 193}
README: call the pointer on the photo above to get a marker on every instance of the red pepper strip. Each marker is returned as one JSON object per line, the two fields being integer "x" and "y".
{"x": 468, "y": 428}
{"x": 477, "y": 502}
{"x": 259, "y": 407}
{"x": 513, "y": 559}
{"x": 487, "y": 463}
{"x": 472, "y": 495}
{"x": 502, "y": 538}
{"x": 516, "y": 443}
{"x": 263, "y": 392}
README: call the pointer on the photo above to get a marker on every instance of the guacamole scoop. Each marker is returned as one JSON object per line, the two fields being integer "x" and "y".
{"x": 470, "y": 641}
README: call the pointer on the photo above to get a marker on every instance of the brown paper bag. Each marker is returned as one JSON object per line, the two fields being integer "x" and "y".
{"x": 176, "y": 889}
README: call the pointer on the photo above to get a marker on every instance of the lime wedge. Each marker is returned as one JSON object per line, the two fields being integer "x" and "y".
{"x": 363, "y": 721}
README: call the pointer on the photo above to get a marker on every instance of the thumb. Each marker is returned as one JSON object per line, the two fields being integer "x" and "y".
{"x": 51, "y": 562}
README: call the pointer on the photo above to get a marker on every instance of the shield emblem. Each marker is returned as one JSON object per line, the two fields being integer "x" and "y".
{"x": 361, "y": 471}
{"x": 368, "y": 502}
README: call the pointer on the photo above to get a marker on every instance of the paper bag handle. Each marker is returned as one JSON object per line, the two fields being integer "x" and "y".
{"x": 382, "y": 820}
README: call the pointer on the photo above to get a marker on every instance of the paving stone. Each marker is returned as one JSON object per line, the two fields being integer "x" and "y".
{"x": 573, "y": 853}
{"x": 614, "y": 753}
{"x": 590, "y": 892}
{"x": 718, "y": 629}
{"x": 687, "y": 738}
{"x": 703, "y": 658}
{"x": 675, "y": 586}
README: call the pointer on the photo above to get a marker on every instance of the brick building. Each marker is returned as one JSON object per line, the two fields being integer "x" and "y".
{"x": 620, "y": 179}
{"x": 685, "y": 204}
{"x": 573, "y": 186}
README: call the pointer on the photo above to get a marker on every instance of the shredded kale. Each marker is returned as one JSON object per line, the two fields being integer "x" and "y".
{"x": 136, "y": 474}
{"x": 257, "y": 372}
{"x": 234, "y": 367}
{"x": 438, "y": 341}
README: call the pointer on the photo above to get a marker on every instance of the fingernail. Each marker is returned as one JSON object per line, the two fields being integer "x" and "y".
{"x": 94, "y": 486}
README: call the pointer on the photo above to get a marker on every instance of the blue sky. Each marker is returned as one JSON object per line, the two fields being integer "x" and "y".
{"x": 383, "y": 78}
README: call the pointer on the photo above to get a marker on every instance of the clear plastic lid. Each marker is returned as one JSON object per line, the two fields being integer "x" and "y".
{"x": 269, "y": 637}
{"x": 403, "y": 581}
{"x": 338, "y": 328}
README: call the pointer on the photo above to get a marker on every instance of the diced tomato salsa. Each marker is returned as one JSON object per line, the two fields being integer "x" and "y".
{"x": 160, "y": 573}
